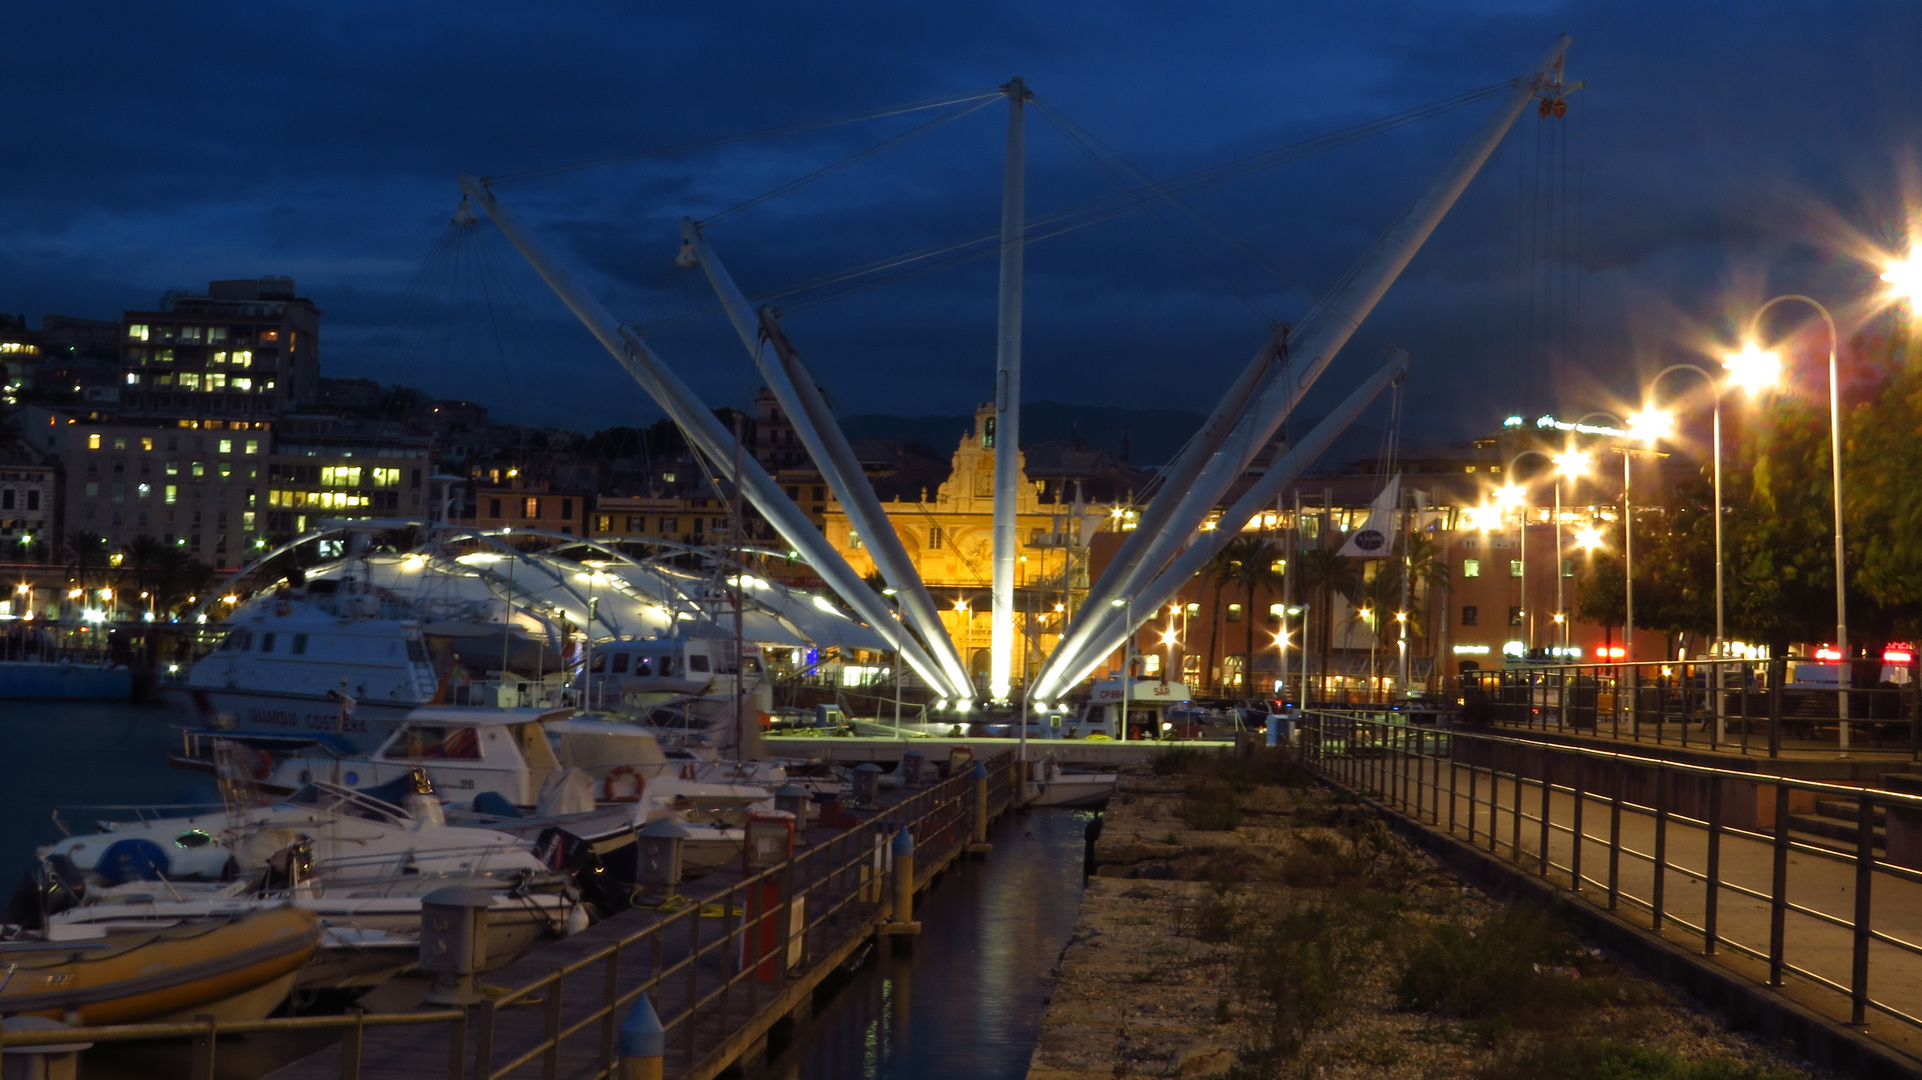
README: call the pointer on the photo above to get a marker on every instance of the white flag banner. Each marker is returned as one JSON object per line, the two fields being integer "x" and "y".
{"x": 1371, "y": 541}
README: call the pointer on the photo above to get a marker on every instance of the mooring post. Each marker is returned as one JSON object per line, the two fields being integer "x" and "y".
{"x": 643, "y": 1042}
{"x": 903, "y": 922}
{"x": 980, "y": 845}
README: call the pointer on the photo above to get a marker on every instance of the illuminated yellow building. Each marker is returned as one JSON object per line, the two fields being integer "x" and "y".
{"x": 950, "y": 540}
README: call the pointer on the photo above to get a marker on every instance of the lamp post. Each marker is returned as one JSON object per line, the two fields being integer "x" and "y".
{"x": 1127, "y": 605}
{"x": 967, "y": 641}
{"x": 894, "y": 601}
{"x": 1897, "y": 277}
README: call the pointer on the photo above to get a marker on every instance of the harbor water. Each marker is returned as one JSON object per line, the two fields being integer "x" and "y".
{"x": 965, "y": 1000}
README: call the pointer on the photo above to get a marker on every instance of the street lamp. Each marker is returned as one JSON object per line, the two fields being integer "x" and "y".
{"x": 1905, "y": 277}
{"x": 895, "y": 602}
{"x": 1127, "y": 605}
{"x": 1567, "y": 463}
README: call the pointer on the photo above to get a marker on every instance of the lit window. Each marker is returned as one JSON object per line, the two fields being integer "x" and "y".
{"x": 1234, "y": 612}
{"x": 1274, "y": 612}
{"x": 136, "y": 331}
{"x": 190, "y": 333}
{"x": 163, "y": 356}
{"x": 190, "y": 380}
{"x": 146, "y": 444}
{"x": 216, "y": 381}
{"x": 241, "y": 382}
{"x": 173, "y": 494}
{"x": 120, "y": 442}
{"x": 133, "y": 378}
{"x": 145, "y": 490}
{"x": 1568, "y": 567}
{"x": 93, "y": 442}
{"x": 253, "y": 446}
{"x": 1514, "y": 568}
{"x": 530, "y": 508}
{"x": 216, "y": 333}
{"x": 217, "y": 357}
{"x": 1471, "y": 568}
{"x": 241, "y": 358}
{"x": 1194, "y": 611}
{"x": 247, "y": 520}
{"x": 173, "y": 468}
{"x": 200, "y": 468}
{"x": 226, "y": 446}
{"x": 389, "y": 478}
{"x": 340, "y": 475}
{"x": 226, "y": 470}
{"x": 163, "y": 380}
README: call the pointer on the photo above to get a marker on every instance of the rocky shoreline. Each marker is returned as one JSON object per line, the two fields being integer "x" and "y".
{"x": 1244, "y": 922}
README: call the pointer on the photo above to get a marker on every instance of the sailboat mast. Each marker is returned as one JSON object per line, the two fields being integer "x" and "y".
{"x": 1007, "y": 397}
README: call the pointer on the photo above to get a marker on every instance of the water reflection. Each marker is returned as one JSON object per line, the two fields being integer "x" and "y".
{"x": 991, "y": 932}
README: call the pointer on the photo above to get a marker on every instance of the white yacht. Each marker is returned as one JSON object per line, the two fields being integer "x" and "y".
{"x": 347, "y": 648}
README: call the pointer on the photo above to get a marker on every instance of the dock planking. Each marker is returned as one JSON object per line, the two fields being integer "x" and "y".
{"x": 717, "y": 998}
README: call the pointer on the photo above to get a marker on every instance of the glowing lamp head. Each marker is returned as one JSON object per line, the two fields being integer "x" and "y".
{"x": 1651, "y": 425}
{"x": 1905, "y": 279}
{"x": 1754, "y": 369}
{"x": 1588, "y": 538}
{"x": 1573, "y": 462}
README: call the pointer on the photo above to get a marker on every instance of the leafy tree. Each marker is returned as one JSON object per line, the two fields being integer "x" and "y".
{"x": 1248, "y": 561}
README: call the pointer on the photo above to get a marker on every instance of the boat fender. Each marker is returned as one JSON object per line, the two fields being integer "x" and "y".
{"x": 132, "y": 859}
{"x": 577, "y": 919}
{"x": 609, "y": 787}
{"x": 688, "y": 771}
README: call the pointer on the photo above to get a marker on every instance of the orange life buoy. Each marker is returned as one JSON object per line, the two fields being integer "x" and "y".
{"x": 263, "y": 765}
{"x": 640, "y": 784}
{"x": 687, "y": 770}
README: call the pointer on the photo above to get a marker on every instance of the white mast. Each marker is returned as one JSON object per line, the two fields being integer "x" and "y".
{"x": 1312, "y": 349}
{"x": 1007, "y": 400}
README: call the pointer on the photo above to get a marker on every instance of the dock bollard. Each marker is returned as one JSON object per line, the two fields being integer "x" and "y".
{"x": 980, "y": 845}
{"x": 643, "y": 1042}
{"x": 903, "y": 886}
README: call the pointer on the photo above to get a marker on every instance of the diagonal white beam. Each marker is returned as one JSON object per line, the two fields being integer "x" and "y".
{"x": 705, "y": 434}
{"x": 1007, "y": 398}
{"x": 796, "y": 392}
{"x": 1113, "y": 629}
{"x": 1327, "y": 330}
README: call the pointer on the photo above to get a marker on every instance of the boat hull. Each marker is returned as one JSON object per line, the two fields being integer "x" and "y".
{"x": 1072, "y": 790}
{"x": 268, "y": 713}
{"x": 236, "y": 968}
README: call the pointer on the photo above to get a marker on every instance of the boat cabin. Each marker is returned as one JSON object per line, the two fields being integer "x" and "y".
{"x": 1144, "y": 700}
{"x": 469, "y": 752}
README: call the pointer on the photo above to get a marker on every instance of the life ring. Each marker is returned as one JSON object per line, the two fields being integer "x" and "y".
{"x": 640, "y": 784}
{"x": 688, "y": 770}
{"x": 263, "y": 765}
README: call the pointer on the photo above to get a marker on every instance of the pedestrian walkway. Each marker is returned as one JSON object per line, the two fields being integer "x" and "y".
{"x": 1833, "y": 924}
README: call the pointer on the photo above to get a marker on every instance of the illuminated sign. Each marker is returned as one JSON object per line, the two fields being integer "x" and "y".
{"x": 1471, "y": 650}
{"x": 1513, "y": 648}
{"x": 1583, "y": 429}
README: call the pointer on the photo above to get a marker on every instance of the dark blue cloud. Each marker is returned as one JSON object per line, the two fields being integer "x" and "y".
{"x": 1714, "y": 150}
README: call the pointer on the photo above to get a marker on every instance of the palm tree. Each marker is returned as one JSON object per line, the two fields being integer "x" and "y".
{"x": 1325, "y": 572}
{"x": 1426, "y": 570}
{"x": 143, "y": 554}
{"x": 86, "y": 549}
{"x": 1249, "y": 561}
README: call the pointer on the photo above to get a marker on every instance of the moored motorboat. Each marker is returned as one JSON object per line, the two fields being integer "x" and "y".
{"x": 239, "y": 967}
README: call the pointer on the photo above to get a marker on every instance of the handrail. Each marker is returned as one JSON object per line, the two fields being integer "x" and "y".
{"x": 1537, "y": 798}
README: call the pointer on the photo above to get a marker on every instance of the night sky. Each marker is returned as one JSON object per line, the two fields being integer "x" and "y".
{"x": 1719, "y": 150}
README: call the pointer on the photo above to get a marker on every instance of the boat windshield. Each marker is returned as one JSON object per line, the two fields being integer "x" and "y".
{"x": 423, "y": 741}
{"x": 332, "y": 800}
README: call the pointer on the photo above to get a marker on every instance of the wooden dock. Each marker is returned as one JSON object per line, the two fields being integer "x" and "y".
{"x": 744, "y": 954}
{"x": 853, "y": 749}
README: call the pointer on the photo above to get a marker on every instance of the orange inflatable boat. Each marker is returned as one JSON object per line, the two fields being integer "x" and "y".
{"x": 239, "y": 968}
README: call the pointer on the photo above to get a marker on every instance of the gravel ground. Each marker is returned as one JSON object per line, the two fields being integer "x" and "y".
{"x": 1147, "y": 986}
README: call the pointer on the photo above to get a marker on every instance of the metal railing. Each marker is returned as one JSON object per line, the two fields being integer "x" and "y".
{"x": 1749, "y": 706}
{"x": 1737, "y": 860}
{"x": 708, "y": 967}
